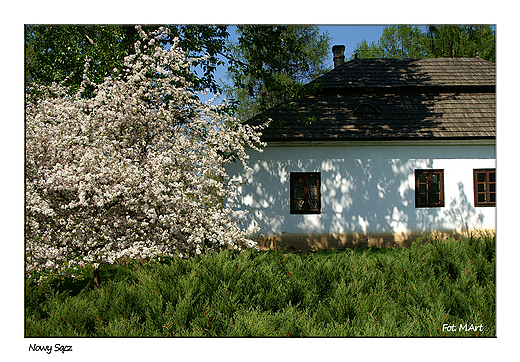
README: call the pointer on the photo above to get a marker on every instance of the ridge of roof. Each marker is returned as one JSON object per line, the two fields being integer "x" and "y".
{"x": 384, "y": 73}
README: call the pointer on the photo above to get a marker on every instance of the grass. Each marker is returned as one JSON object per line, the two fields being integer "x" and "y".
{"x": 359, "y": 292}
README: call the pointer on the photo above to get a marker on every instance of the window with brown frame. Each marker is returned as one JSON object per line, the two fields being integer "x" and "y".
{"x": 484, "y": 184}
{"x": 305, "y": 193}
{"x": 429, "y": 188}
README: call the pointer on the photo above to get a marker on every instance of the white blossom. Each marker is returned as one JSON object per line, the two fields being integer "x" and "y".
{"x": 135, "y": 171}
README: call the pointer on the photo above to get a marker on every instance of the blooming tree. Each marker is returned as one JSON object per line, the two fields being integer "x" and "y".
{"x": 135, "y": 171}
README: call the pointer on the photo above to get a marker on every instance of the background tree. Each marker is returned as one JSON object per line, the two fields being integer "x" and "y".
{"x": 57, "y": 53}
{"x": 270, "y": 64}
{"x": 436, "y": 41}
{"x": 460, "y": 41}
{"x": 396, "y": 42}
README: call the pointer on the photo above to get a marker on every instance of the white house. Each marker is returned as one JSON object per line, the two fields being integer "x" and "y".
{"x": 384, "y": 151}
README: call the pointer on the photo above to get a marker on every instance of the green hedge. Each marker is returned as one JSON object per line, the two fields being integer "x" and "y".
{"x": 360, "y": 292}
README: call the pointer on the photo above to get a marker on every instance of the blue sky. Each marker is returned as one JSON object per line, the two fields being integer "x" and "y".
{"x": 351, "y": 35}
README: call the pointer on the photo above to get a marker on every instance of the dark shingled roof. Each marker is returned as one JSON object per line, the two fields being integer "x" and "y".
{"x": 388, "y": 99}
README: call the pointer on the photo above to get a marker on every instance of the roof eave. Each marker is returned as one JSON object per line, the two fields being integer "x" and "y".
{"x": 377, "y": 141}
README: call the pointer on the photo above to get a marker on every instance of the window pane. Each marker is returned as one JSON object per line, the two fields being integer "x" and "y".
{"x": 423, "y": 188}
{"x": 481, "y": 187}
{"x": 312, "y": 192}
{"x": 298, "y": 193}
{"x": 492, "y": 197}
{"x": 435, "y": 179}
{"x": 312, "y": 181}
{"x": 436, "y": 188}
{"x": 481, "y": 197}
{"x": 298, "y": 204}
{"x": 481, "y": 177}
{"x": 300, "y": 182}
{"x": 313, "y": 204}
{"x": 492, "y": 187}
{"x": 492, "y": 177}
{"x": 423, "y": 199}
{"x": 423, "y": 178}
{"x": 436, "y": 198}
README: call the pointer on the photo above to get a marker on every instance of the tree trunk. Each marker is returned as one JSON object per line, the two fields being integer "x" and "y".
{"x": 97, "y": 278}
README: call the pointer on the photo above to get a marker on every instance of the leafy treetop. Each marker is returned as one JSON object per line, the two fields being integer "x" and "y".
{"x": 436, "y": 41}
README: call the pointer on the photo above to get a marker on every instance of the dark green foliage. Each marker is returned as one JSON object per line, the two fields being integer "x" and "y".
{"x": 271, "y": 64}
{"x": 360, "y": 292}
{"x": 57, "y": 53}
{"x": 267, "y": 65}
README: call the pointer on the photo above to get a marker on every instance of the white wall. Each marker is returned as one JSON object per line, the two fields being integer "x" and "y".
{"x": 365, "y": 189}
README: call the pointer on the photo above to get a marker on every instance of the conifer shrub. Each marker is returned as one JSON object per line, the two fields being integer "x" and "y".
{"x": 357, "y": 292}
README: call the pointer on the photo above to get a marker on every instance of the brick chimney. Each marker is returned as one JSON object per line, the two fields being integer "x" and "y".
{"x": 339, "y": 55}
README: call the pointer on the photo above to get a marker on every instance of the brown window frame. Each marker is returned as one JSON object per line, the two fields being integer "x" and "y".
{"x": 487, "y": 185}
{"x": 429, "y": 189}
{"x": 306, "y": 208}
